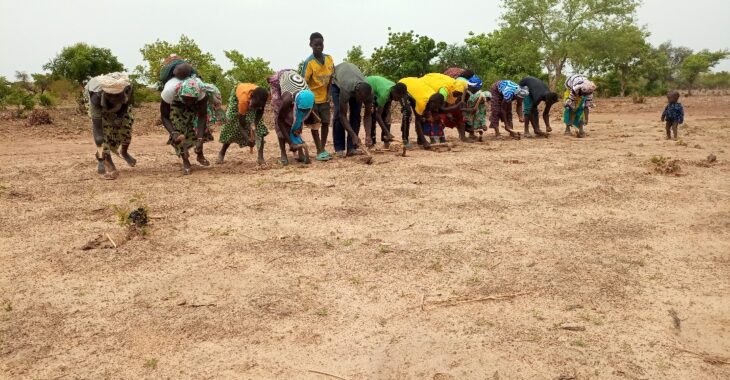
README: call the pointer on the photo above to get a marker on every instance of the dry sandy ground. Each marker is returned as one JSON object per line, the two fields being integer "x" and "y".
{"x": 534, "y": 259}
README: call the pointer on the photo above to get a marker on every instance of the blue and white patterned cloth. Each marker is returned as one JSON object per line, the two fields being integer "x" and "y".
{"x": 674, "y": 112}
{"x": 508, "y": 89}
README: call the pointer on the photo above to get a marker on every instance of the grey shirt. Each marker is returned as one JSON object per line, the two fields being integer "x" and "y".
{"x": 347, "y": 77}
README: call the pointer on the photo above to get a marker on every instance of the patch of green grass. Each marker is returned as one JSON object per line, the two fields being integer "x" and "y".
{"x": 658, "y": 159}
{"x": 383, "y": 249}
{"x": 322, "y": 312}
{"x": 151, "y": 363}
{"x": 348, "y": 242}
{"x": 436, "y": 266}
{"x": 578, "y": 343}
{"x": 485, "y": 231}
{"x": 354, "y": 280}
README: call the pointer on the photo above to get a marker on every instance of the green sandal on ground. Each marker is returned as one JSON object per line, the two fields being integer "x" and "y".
{"x": 324, "y": 156}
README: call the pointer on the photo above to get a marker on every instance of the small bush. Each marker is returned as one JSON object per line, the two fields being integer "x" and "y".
{"x": 39, "y": 117}
{"x": 22, "y": 101}
{"x": 144, "y": 94}
{"x": 665, "y": 165}
{"x": 47, "y": 101}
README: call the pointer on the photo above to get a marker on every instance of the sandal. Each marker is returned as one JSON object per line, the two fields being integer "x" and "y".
{"x": 324, "y": 156}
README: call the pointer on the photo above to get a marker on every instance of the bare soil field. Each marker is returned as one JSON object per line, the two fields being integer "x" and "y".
{"x": 559, "y": 258}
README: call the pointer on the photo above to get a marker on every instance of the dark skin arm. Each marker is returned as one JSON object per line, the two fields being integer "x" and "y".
{"x": 586, "y": 112}
{"x": 518, "y": 108}
{"x": 129, "y": 92}
{"x": 96, "y": 125}
{"x": 382, "y": 122}
{"x": 344, "y": 109}
{"x": 165, "y": 117}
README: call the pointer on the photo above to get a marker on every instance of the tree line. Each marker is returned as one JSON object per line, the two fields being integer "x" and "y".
{"x": 545, "y": 39}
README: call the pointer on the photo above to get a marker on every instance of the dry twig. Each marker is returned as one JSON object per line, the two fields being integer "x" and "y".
{"x": 463, "y": 301}
{"x": 708, "y": 358}
{"x": 326, "y": 374}
{"x": 110, "y": 239}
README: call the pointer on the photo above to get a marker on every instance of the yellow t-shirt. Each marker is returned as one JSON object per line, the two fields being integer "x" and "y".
{"x": 318, "y": 76}
{"x": 444, "y": 83}
{"x": 419, "y": 91}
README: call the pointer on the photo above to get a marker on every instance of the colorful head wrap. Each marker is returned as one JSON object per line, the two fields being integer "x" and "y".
{"x": 475, "y": 83}
{"x": 168, "y": 65}
{"x": 303, "y": 103}
{"x": 190, "y": 87}
{"x": 586, "y": 87}
{"x": 113, "y": 83}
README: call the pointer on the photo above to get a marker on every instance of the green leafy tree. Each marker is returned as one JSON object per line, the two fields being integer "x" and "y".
{"x": 248, "y": 69}
{"x": 405, "y": 55}
{"x": 558, "y": 26}
{"x": 715, "y": 81}
{"x": 154, "y": 53}
{"x": 654, "y": 72}
{"x": 456, "y": 55}
{"x": 674, "y": 56}
{"x": 5, "y": 89}
{"x": 22, "y": 80}
{"x": 699, "y": 63}
{"x": 356, "y": 56}
{"x": 83, "y": 61}
{"x": 619, "y": 49}
{"x": 42, "y": 82}
{"x": 503, "y": 54}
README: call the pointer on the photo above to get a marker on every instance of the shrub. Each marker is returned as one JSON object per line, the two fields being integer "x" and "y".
{"x": 47, "y": 101}
{"x": 22, "y": 101}
{"x": 144, "y": 94}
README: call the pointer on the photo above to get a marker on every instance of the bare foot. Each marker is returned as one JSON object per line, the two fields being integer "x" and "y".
{"x": 129, "y": 159}
{"x": 201, "y": 159}
{"x": 220, "y": 159}
{"x": 111, "y": 175}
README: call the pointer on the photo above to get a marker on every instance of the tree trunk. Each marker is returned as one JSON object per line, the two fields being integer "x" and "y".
{"x": 556, "y": 75}
{"x": 623, "y": 86}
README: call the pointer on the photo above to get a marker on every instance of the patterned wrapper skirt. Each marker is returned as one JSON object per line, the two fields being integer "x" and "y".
{"x": 185, "y": 120}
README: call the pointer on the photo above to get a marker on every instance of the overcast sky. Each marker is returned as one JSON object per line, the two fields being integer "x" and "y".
{"x": 33, "y": 31}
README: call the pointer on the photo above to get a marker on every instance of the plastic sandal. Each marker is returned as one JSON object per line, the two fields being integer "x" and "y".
{"x": 324, "y": 156}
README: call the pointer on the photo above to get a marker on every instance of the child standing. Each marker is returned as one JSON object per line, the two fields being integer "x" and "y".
{"x": 317, "y": 71}
{"x": 673, "y": 114}
{"x": 476, "y": 111}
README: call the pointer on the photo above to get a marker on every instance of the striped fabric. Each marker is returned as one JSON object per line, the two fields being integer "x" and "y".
{"x": 573, "y": 84}
{"x": 508, "y": 89}
{"x": 292, "y": 82}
